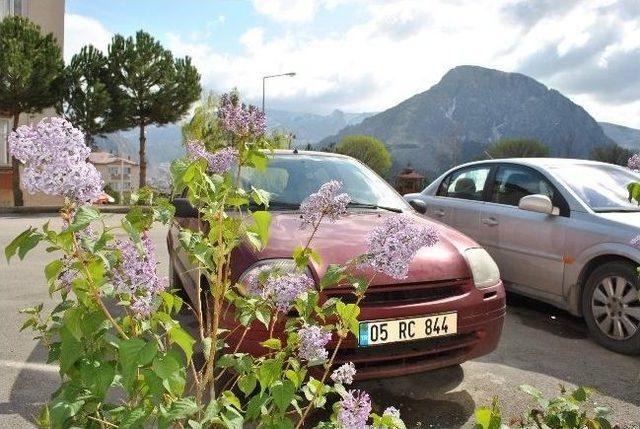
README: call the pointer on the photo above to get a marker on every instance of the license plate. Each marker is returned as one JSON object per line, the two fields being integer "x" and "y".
{"x": 374, "y": 332}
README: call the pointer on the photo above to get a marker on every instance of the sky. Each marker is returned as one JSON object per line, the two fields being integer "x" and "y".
{"x": 369, "y": 55}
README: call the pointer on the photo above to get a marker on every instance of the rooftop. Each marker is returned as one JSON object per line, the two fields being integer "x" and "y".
{"x": 108, "y": 158}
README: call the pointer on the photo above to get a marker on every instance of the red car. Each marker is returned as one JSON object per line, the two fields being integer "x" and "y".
{"x": 449, "y": 309}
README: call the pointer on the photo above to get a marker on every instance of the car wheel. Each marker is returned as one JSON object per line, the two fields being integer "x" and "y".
{"x": 176, "y": 283}
{"x": 611, "y": 307}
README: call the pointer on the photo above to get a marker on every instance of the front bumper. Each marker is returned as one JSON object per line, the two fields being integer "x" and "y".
{"x": 480, "y": 318}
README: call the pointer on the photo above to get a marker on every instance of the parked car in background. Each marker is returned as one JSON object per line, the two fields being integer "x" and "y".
{"x": 560, "y": 231}
{"x": 449, "y": 309}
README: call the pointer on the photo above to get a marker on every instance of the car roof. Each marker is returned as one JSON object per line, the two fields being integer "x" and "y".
{"x": 538, "y": 162}
{"x": 278, "y": 152}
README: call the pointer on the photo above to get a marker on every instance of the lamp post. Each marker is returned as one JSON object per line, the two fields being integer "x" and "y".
{"x": 264, "y": 79}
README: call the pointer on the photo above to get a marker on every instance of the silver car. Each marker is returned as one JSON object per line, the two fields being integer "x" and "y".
{"x": 560, "y": 231}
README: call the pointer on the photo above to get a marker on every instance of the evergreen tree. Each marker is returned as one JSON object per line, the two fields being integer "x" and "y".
{"x": 31, "y": 71}
{"x": 87, "y": 101}
{"x": 149, "y": 86}
{"x": 517, "y": 148}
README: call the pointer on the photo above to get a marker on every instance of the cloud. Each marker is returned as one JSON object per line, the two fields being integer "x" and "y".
{"x": 80, "y": 31}
{"x": 382, "y": 52}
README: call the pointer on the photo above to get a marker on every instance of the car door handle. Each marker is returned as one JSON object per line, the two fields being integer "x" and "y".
{"x": 490, "y": 221}
{"x": 439, "y": 213}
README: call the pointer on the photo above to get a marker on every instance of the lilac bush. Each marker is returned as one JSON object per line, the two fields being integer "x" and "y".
{"x": 238, "y": 119}
{"x": 282, "y": 290}
{"x": 217, "y": 162}
{"x": 328, "y": 202}
{"x": 634, "y": 162}
{"x": 115, "y": 334}
{"x": 55, "y": 158}
{"x": 355, "y": 408}
{"x": 313, "y": 343}
{"x": 344, "y": 374}
{"x": 394, "y": 243}
{"x": 136, "y": 274}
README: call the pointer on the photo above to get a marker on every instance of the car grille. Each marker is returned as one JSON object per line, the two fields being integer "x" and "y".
{"x": 403, "y": 294}
{"x": 408, "y": 353}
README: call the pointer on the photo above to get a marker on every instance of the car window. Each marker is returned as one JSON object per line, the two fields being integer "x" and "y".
{"x": 467, "y": 183}
{"x": 513, "y": 182}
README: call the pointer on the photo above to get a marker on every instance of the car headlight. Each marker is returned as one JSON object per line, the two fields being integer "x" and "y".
{"x": 483, "y": 268}
{"x": 266, "y": 266}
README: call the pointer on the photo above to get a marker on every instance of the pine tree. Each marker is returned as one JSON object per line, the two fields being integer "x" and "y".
{"x": 87, "y": 102}
{"x": 31, "y": 70}
{"x": 150, "y": 86}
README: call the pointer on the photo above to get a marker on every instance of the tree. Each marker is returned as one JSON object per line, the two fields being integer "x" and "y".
{"x": 517, "y": 148}
{"x": 203, "y": 125}
{"x": 87, "y": 102}
{"x": 30, "y": 75}
{"x": 613, "y": 154}
{"x": 149, "y": 86}
{"x": 367, "y": 149}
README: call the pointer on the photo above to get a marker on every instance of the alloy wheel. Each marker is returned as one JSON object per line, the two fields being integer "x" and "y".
{"x": 616, "y": 307}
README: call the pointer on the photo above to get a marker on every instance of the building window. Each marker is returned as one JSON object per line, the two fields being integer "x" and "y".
{"x": 4, "y": 133}
{"x": 13, "y": 7}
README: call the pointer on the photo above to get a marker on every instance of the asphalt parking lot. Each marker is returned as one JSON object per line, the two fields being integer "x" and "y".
{"x": 540, "y": 346}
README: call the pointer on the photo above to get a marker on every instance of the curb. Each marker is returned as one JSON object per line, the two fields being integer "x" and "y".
{"x": 55, "y": 209}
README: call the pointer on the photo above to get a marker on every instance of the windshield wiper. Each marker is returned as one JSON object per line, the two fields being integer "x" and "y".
{"x": 277, "y": 205}
{"x": 373, "y": 206}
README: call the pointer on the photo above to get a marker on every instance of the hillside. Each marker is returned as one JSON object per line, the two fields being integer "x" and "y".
{"x": 628, "y": 138}
{"x": 469, "y": 108}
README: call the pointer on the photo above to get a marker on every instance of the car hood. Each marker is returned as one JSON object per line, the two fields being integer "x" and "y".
{"x": 345, "y": 239}
{"x": 631, "y": 219}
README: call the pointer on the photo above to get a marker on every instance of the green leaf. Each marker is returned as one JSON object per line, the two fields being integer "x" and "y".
{"x": 183, "y": 339}
{"x": 272, "y": 343}
{"x": 83, "y": 217}
{"x": 169, "y": 369}
{"x": 52, "y": 270}
{"x": 70, "y": 350}
{"x": 73, "y": 321}
{"x": 580, "y": 394}
{"x": 282, "y": 394}
{"x": 262, "y": 221}
{"x": 260, "y": 196}
{"x": 24, "y": 242}
{"x": 268, "y": 372}
{"x": 259, "y": 160}
{"x": 134, "y": 353}
{"x": 348, "y": 314}
{"x": 333, "y": 276}
{"x": 247, "y": 383}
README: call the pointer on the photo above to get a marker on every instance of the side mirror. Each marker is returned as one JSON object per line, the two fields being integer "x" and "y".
{"x": 419, "y": 205}
{"x": 538, "y": 203}
{"x": 184, "y": 208}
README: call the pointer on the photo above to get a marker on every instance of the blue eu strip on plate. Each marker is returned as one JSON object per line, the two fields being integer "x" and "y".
{"x": 363, "y": 339}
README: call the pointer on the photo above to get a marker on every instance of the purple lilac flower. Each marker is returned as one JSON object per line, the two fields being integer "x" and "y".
{"x": 237, "y": 118}
{"x": 136, "y": 274}
{"x": 326, "y": 202}
{"x": 355, "y": 408}
{"x": 634, "y": 162}
{"x": 313, "y": 341}
{"x": 344, "y": 374}
{"x": 394, "y": 243}
{"x": 635, "y": 242}
{"x": 55, "y": 158}
{"x": 391, "y": 411}
{"x": 218, "y": 162}
{"x": 283, "y": 290}
{"x": 66, "y": 278}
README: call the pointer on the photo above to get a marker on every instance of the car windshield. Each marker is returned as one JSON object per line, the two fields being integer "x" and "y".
{"x": 602, "y": 187}
{"x": 291, "y": 178}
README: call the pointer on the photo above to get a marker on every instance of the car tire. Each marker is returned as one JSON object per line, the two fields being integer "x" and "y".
{"x": 176, "y": 284}
{"x": 610, "y": 306}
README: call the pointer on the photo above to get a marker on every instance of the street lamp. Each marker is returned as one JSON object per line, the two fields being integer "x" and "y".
{"x": 264, "y": 78}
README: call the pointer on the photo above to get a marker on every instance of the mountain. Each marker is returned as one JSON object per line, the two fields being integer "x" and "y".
{"x": 469, "y": 108}
{"x": 164, "y": 143}
{"x": 628, "y": 138}
{"x": 310, "y": 127}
